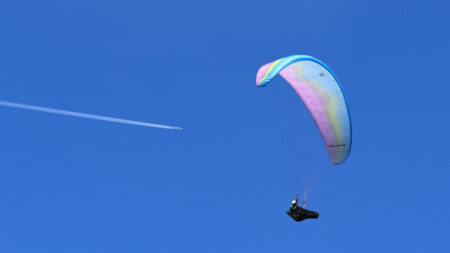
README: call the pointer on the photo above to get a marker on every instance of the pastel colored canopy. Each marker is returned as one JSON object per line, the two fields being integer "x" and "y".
{"x": 322, "y": 94}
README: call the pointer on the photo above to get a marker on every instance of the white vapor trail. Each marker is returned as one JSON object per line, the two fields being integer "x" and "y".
{"x": 83, "y": 115}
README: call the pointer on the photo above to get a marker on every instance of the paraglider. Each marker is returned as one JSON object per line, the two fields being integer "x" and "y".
{"x": 320, "y": 91}
{"x": 300, "y": 213}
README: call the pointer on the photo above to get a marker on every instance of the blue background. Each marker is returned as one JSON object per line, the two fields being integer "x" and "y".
{"x": 221, "y": 184}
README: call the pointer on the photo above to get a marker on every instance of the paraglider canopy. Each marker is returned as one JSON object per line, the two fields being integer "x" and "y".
{"x": 322, "y": 94}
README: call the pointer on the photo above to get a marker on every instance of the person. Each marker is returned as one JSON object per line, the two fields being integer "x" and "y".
{"x": 300, "y": 213}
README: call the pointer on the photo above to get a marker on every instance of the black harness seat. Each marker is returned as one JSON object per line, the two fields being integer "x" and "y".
{"x": 298, "y": 213}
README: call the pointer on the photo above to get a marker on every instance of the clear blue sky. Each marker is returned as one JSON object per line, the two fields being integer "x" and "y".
{"x": 221, "y": 184}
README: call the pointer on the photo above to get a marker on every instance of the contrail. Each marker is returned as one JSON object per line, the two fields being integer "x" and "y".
{"x": 83, "y": 115}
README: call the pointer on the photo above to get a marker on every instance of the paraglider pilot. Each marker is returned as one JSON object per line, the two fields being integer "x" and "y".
{"x": 300, "y": 213}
